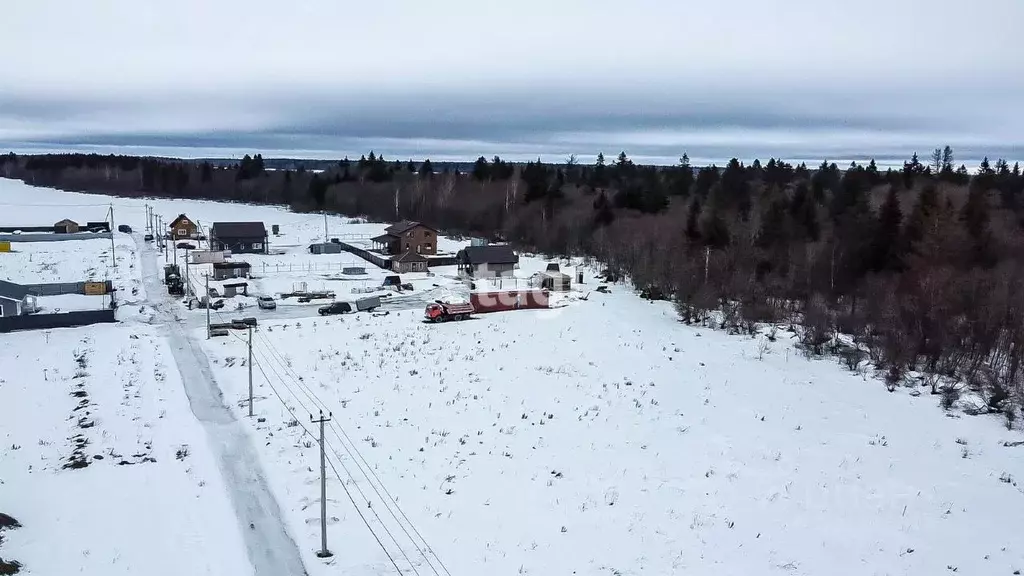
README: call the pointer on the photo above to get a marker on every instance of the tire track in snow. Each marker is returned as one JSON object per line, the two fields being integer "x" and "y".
{"x": 271, "y": 550}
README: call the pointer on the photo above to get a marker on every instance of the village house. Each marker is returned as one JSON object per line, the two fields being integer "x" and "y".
{"x": 226, "y": 270}
{"x": 182, "y": 227}
{"x": 15, "y": 299}
{"x": 405, "y": 236}
{"x": 239, "y": 237}
{"x": 409, "y": 262}
{"x": 494, "y": 261}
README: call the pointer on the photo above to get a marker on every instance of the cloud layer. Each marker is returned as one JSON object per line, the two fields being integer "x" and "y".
{"x": 457, "y": 79}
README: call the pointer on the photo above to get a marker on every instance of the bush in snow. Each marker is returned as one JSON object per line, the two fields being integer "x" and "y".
{"x": 950, "y": 395}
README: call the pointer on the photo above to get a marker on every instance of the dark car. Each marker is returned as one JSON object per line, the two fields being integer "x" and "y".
{"x": 124, "y": 228}
{"x": 335, "y": 308}
{"x": 186, "y": 246}
{"x": 148, "y": 237}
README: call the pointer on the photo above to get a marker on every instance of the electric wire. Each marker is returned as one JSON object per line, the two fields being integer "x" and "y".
{"x": 320, "y": 405}
{"x": 336, "y": 428}
{"x": 340, "y": 481}
{"x": 368, "y": 471}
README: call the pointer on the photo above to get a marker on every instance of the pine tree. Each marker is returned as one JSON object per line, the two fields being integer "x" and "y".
{"x": 925, "y": 208}
{"x": 693, "y": 221}
{"x": 317, "y": 190}
{"x": 886, "y": 245}
{"x": 975, "y": 213}
{"x": 715, "y": 231}
{"x": 481, "y": 171}
{"x": 774, "y": 229}
{"x": 804, "y": 212}
{"x": 426, "y": 169}
{"x": 603, "y": 213}
{"x": 947, "y": 160}
{"x": 599, "y": 175}
{"x": 975, "y": 218}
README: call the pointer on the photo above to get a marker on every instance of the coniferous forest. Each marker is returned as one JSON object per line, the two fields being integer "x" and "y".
{"x": 922, "y": 265}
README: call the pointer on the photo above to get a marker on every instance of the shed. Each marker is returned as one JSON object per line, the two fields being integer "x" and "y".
{"x": 65, "y": 226}
{"x": 411, "y": 261}
{"x": 492, "y": 261}
{"x": 226, "y": 270}
{"x": 232, "y": 289}
{"x": 325, "y": 248}
{"x": 555, "y": 281}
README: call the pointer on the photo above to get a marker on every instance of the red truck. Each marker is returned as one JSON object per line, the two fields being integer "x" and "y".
{"x": 442, "y": 311}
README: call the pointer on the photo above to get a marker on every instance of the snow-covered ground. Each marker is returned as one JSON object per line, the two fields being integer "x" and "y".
{"x": 602, "y": 437}
{"x": 607, "y": 438}
{"x": 103, "y": 463}
{"x": 72, "y": 261}
{"x": 71, "y": 302}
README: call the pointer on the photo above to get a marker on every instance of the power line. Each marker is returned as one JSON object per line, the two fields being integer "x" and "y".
{"x": 348, "y": 473}
{"x": 340, "y": 481}
{"x": 367, "y": 472}
{"x": 276, "y": 357}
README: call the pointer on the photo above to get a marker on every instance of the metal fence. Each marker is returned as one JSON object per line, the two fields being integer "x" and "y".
{"x": 442, "y": 260}
{"x": 378, "y": 261}
{"x": 59, "y": 288}
{"x": 55, "y": 237}
{"x": 265, "y": 268}
{"x": 57, "y": 320}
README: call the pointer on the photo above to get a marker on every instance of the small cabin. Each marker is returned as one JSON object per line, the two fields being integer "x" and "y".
{"x": 66, "y": 226}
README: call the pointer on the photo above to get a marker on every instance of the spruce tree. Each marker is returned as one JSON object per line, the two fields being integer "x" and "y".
{"x": 886, "y": 245}
{"x": 693, "y": 220}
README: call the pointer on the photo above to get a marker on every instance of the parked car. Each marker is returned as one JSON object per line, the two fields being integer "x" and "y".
{"x": 186, "y": 246}
{"x": 148, "y": 237}
{"x": 335, "y": 308}
{"x": 266, "y": 303}
{"x": 124, "y": 228}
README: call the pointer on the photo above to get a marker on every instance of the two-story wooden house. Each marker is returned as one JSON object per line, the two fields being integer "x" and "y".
{"x": 182, "y": 228}
{"x": 407, "y": 236}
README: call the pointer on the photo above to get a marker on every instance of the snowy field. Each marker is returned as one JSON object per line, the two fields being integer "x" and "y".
{"x": 103, "y": 463}
{"x": 71, "y": 302}
{"x": 605, "y": 438}
{"x": 599, "y": 438}
{"x": 72, "y": 260}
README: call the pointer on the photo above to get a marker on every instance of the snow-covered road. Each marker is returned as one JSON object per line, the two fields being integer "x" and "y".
{"x": 270, "y": 548}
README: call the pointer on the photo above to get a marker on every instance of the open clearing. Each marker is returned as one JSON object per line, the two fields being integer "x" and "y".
{"x": 601, "y": 438}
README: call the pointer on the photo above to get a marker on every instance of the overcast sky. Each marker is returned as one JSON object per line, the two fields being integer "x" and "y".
{"x": 801, "y": 79}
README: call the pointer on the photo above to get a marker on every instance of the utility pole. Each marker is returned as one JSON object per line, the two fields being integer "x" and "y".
{"x": 250, "y": 371}
{"x": 324, "y": 552}
{"x": 326, "y": 239}
{"x": 207, "y": 298}
{"x": 113, "y": 256}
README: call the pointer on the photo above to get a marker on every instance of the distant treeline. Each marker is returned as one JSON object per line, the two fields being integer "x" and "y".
{"x": 923, "y": 265}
